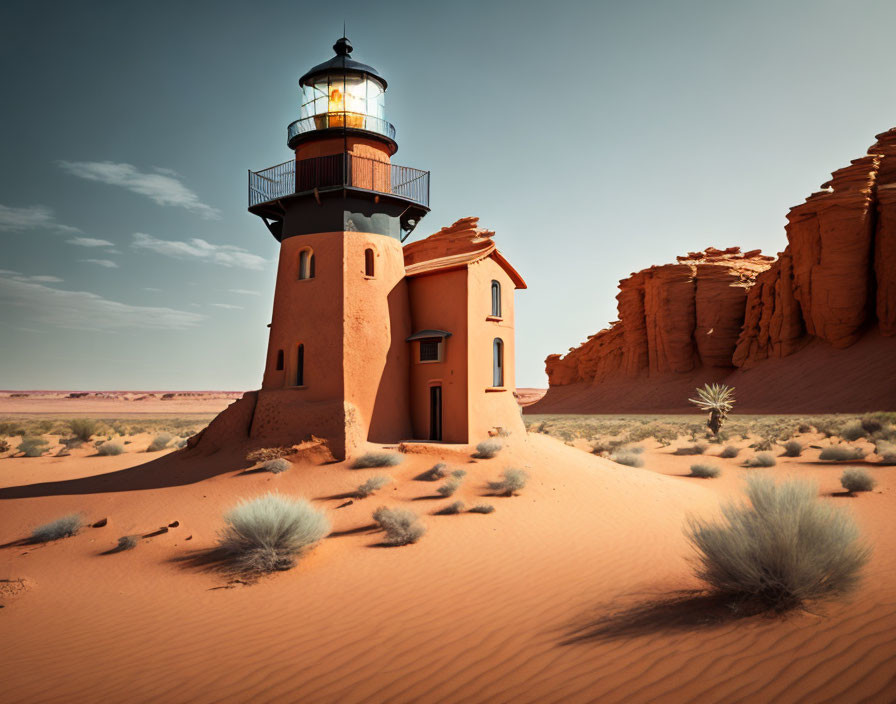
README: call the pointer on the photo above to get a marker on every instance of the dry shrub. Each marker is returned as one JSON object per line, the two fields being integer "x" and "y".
{"x": 451, "y": 509}
{"x": 84, "y": 428}
{"x": 793, "y": 449}
{"x": 729, "y": 452}
{"x": 781, "y": 550}
{"x": 761, "y": 459}
{"x": 449, "y": 487}
{"x": 110, "y": 448}
{"x": 512, "y": 481}
{"x": 696, "y": 449}
{"x": 841, "y": 453}
{"x": 377, "y": 459}
{"x": 277, "y": 466}
{"x": 482, "y": 508}
{"x": 159, "y": 442}
{"x": 704, "y": 471}
{"x": 855, "y": 479}
{"x": 488, "y": 449}
{"x": 60, "y": 528}
{"x": 268, "y": 533}
{"x": 628, "y": 458}
{"x": 371, "y": 485}
{"x": 402, "y": 526}
{"x": 33, "y": 446}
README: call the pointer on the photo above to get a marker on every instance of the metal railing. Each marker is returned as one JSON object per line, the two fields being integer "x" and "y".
{"x": 338, "y": 120}
{"x": 338, "y": 171}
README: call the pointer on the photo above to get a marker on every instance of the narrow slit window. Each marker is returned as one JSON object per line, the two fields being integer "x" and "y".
{"x": 496, "y": 299}
{"x": 498, "y": 363}
{"x": 279, "y": 360}
{"x": 300, "y": 366}
{"x": 306, "y": 264}
{"x": 368, "y": 262}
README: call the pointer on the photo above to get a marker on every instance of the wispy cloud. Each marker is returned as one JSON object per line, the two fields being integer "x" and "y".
{"x": 42, "y": 279}
{"x": 162, "y": 186}
{"x": 36, "y": 302}
{"x": 150, "y": 288}
{"x": 33, "y": 217}
{"x": 243, "y": 292}
{"x": 227, "y": 306}
{"x": 90, "y": 242}
{"x": 223, "y": 254}
{"x": 107, "y": 263}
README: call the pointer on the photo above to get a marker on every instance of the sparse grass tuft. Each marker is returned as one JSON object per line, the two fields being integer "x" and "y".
{"x": 402, "y": 526}
{"x": 451, "y": 509}
{"x": 438, "y": 471}
{"x": 482, "y": 508}
{"x": 127, "y": 542}
{"x": 459, "y": 473}
{"x": 159, "y": 442}
{"x": 377, "y": 459}
{"x": 697, "y": 448}
{"x": 781, "y": 550}
{"x": 853, "y": 431}
{"x": 841, "y": 453}
{"x": 855, "y": 479}
{"x": 449, "y": 487}
{"x": 886, "y": 451}
{"x": 793, "y": 448}
{"x": 33, "y": 446}
{"x": 110, "y": 448}
{"x": 704, "y": 471}
{"x": 761, "y": 459}
{"x": 268, "y": 533}
{"x": 629, "y": 459}
{"x": 729, "y": 452}
{"x": 60, "y": 528}
{"x": 277, "y": 466}
{"x": 371, "y": 485}
{"x": 512, "y": 481}
{"x": 84, "y": 428}
{"x": 488, "y": 449}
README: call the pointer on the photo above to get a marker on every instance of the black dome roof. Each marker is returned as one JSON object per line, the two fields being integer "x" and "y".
{"x": 341, "y": 62}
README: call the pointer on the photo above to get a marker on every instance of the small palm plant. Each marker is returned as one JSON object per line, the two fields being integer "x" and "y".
{"x": 718, "y": 400}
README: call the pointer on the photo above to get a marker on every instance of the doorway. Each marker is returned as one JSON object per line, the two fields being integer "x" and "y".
{"x": 435, "y": 413}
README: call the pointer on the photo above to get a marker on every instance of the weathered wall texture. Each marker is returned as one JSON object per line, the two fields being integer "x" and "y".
{"x": 834, "y": 282}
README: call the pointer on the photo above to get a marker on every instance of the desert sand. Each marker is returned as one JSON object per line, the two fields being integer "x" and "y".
{"x": 576, "y": 590}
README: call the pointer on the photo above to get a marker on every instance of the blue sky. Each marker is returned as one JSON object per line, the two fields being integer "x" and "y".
{"x": 596, "y": 138}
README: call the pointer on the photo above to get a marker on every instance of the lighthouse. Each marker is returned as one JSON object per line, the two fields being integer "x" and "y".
{"x": 372, "y": 341}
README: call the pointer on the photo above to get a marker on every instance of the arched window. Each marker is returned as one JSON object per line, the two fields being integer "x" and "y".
{"x": 496, "y": 299}
{"x": 306, "y": 263}
{"x": 498, "y": 362}
{"x": 279, "y": 360}
{"x": 300, "y": 366}
{"x": 368, "y": 262}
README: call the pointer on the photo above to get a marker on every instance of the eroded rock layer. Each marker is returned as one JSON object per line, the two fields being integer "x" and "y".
{"x": 723, "y": 309}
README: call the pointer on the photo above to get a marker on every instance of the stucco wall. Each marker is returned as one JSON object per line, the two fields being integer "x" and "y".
{"x": 438, "y": 302}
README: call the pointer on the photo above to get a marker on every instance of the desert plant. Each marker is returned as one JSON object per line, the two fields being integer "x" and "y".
{"x": 159, "y": 442}
{"x": 718, "y": 400}
{"x": 268, "y": 533}
{"x": 729, "y": 452}
{"x": 761, "y": 459}
{"x": 697, "y": 448}
{"x": 854, "y": 480}
{"x": 482, "y": 508}
{"x": 4, "y": 446}
{"x": 110, "y": 448}
{"x": 451, "y": 509}
{"x": 377, "y": 459}
{"x": 488, "y": 449}
{"x": 402, "y": 526}
{"x": 887, "y": 452}
{"x": 371, "y": 485}
{"x": 512, "y": 481}
{"x": 459, "y": 473}
{"x": 704, "y": 471}
{"x": 60, "y": 528}
{"x": 83, "y": 428}
{"x": 277, "y": 466}
{"x": 793, "y": 448}
{"x": 841, "y": 453}
{"x": 853, "y": 430}
{"x": 33, "y": 446}
{"x": 782, "y": 549}
{"x": 629, "y": 459}
{"x": 437, "y": 471}
{"x": 449, "y": 487}
{"x": 127, "y": 542}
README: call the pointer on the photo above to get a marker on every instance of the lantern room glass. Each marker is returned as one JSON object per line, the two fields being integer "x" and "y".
{"x": 344, "y": 100}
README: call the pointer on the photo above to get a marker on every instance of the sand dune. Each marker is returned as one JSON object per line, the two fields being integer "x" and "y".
{"x": 570, "y": 592}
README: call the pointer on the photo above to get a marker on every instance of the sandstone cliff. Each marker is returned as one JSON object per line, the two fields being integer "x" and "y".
{"x": 722, "y": 312}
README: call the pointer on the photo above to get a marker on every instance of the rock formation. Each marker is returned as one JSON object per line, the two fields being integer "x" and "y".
{"x": 723, "y": 309}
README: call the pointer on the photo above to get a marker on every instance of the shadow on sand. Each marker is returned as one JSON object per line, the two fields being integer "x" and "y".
{"x": 683, "y": 612}
{"x": 176, "y": 469}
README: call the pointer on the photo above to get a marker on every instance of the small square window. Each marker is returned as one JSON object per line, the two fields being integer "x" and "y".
{"x": 431, "y": 350}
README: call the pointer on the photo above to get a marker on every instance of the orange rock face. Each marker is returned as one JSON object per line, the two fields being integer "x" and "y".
{"x": 834, "y": 281}
{"x": 672, "y": 318}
